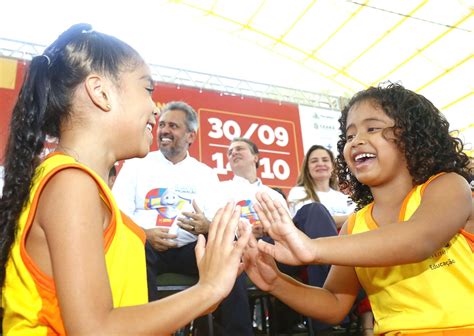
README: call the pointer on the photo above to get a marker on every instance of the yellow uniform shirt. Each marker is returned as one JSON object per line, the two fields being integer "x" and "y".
{"x": 435, "y": 296}
{"x": 29, "y": 296}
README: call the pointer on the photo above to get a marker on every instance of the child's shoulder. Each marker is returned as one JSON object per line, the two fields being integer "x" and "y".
{"x": 443, "y": 179}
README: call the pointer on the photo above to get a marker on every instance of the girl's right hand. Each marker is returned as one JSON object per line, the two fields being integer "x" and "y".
{"x": 219, "y": 261}
{"x": 259, "y": 266}
{"x": 292, "y": 246}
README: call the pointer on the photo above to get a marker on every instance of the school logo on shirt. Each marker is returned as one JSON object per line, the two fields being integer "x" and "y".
{"x": 248, "y": 212}
{"x": 167, "y": 202}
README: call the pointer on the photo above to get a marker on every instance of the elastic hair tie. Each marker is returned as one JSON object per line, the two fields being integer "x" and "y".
{"x": 47, "y": 59}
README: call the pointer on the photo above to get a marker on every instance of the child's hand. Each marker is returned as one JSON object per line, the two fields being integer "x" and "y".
{"x": 292, "y": 247}
{"x": 219, "y": 260}
{"x": 260, "y": 267}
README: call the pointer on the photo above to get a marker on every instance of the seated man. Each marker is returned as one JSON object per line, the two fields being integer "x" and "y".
{"x": 158, "y": 190}
{"x": 243, "y": 158}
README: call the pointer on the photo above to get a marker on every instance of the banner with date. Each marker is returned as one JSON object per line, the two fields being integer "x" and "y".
{"x": 275, "y": 139}
{"x": 273, "y": 126}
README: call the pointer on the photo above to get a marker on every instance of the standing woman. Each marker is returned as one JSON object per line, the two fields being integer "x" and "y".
{"x": 317, "y": 182}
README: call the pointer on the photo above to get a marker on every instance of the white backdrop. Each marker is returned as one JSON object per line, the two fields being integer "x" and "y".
{"x": 319, "y": 127}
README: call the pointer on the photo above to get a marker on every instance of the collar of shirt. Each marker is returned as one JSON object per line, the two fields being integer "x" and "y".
{"x": 239, "y": 179}
{"x": 163, "y": 158}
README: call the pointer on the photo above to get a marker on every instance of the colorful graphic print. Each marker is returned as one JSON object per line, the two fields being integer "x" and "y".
{"x": 248, "y": 212}
{"x": 167, "y": 202}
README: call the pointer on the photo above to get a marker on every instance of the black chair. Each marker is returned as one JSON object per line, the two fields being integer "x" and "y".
{"x": 171, "y": 283}
{"x": 262, "y": 301}
{"x": 269, "y": 324}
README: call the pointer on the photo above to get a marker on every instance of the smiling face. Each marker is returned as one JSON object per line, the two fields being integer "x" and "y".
{"x": 371, "y": 151}
{"x": 241, "y": 157}
{"x": 320, "y": 165}
{"x": 173, "y": 136}
{"x": 136, "y": 108}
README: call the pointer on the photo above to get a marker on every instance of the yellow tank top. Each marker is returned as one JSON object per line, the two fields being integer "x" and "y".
{"x": 29, "y": 296}
{"x": 435, "y": 296}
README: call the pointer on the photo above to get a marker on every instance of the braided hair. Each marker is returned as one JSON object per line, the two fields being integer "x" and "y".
{"x": 44, "y": 103}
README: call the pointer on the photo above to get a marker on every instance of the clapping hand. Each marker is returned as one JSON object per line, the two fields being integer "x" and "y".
{"x": 160, "y": 239}
{"x": 219, "y": 260}
{"x": 194, "y": 222}
{"x": 292, "y": 247}
{"x": 259, "y": 266}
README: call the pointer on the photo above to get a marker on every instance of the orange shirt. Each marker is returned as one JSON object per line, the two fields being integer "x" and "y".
{"x": 29, "y": 296}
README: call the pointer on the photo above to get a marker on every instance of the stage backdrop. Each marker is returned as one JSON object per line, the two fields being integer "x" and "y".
{"x": 11, "y": 76}
{"x": 273, "y": 126}
{"x": 319, "y": 127}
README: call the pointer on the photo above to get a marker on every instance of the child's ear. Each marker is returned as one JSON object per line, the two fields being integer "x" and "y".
{"x": 98, "y": 90}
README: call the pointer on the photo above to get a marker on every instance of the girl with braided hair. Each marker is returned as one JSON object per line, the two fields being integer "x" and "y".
{"x": 70, "y": 261}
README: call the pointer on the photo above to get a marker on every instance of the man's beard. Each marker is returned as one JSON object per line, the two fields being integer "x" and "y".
{"x": 171, "y": 152}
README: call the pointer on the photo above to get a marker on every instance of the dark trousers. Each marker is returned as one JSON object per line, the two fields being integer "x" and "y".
{"x": 232, "y": 317}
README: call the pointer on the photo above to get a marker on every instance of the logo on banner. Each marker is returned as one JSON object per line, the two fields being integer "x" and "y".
{"x": 167, "y": 202}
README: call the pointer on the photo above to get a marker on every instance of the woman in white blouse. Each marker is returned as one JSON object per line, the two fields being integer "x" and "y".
{"x": 317, "y": 182}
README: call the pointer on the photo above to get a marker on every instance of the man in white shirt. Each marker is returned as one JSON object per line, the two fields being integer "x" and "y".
{"x": 244, "y": 161}
{"x": 165, "y": 187}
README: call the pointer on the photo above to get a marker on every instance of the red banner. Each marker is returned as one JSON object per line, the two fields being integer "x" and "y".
{"x": 8, "y": 98}
{"x": 273, "y": 126}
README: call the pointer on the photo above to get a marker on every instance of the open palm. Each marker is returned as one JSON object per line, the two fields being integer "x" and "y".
{"x": 260, "y": 267}
{"x": 219, "y": 260}
{"x": 291, "y": 246}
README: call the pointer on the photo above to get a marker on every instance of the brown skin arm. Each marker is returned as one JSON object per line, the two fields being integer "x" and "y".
{"x": 73, "y": 229}
{"x": 446, "y": 208}
{"x": 339, "y": 220}
{"x": 328, "y": 304}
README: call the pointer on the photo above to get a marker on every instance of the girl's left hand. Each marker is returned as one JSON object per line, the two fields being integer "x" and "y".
{"x": 219, "y": 261}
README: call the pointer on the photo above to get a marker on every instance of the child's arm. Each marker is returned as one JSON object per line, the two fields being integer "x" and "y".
{"x": 73, "y": 228}
{"x": 340, "y": 220}
{"x": 329, "y": 304}
{"x": 445, "y": 208}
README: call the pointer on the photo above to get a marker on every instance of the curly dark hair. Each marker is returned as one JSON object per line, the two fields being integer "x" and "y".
{"x": 44, "y": 103}
{"x": 422, "y": 134}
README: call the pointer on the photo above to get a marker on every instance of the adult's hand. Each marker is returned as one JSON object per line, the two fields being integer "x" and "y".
{"x": 194, "y": 222}
{"x": 160, "y": 239}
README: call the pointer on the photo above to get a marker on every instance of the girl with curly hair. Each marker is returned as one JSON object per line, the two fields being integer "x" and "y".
{"x": 410, "y": 246}
{"x": 70, "y": 261}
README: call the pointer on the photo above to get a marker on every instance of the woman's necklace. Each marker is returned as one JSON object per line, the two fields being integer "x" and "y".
{"x": 68, "y": 151}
